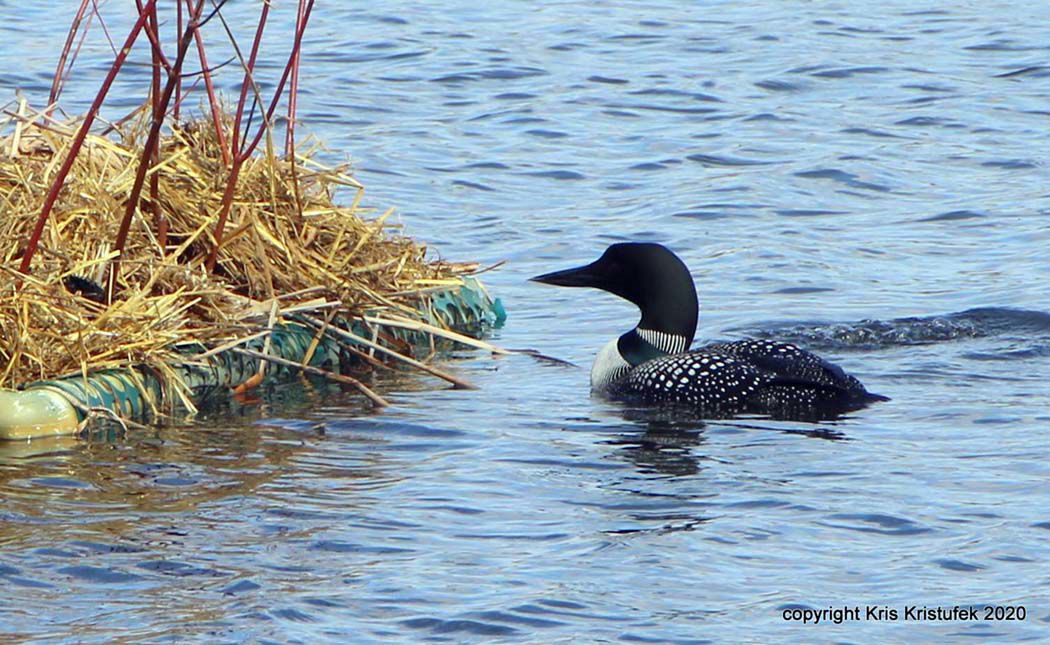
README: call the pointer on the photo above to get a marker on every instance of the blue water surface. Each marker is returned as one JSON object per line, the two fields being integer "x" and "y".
{"x": 869, "y": 181}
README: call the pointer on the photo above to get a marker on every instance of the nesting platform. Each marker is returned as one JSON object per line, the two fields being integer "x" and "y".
{"x": 64, "y": 406}
{"x": 130, "y": 294}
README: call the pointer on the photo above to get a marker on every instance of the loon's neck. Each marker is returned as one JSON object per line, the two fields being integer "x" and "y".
{"x": 669, "y": 315}
{"x": 640, "y": 344}
{"x": 670, "y": 311}
{"x": 632, "y": 349}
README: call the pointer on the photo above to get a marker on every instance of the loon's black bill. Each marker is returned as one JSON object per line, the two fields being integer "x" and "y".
{"x": 585, "y": 276}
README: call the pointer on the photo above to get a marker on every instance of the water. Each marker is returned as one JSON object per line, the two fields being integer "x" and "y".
{"x": 824, "y": 169}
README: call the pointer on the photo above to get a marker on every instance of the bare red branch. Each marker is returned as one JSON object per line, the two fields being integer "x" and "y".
{"x": 297, "y": 45}
{"x": 248, "y": 80}
{"x": 157, "y": 55}
{"x": 60, "y": 72}
{"x": 213, "y": 101}
{"x": 78, "y": 142}
{"x": 293, "y": 91}
{"x": 153, "y": 33}
{"x": 178, "y": 88}
{"x": 151, "y": 142}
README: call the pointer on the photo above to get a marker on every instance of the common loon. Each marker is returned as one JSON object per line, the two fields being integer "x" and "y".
{"x": 650, "y": 364}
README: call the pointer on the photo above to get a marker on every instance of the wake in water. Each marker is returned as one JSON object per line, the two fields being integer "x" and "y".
{"x": 878, "y": 334}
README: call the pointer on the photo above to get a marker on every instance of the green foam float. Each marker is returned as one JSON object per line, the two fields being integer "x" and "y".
{"x": 60, "y": 406}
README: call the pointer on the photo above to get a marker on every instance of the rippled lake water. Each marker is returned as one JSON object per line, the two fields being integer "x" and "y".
{"x": 871, "y": 182}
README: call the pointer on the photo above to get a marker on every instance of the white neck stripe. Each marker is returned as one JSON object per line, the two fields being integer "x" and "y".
{"x": 669, "y": 343}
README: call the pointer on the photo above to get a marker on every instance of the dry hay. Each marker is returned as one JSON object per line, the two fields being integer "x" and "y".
{"x": 285, "y": 238}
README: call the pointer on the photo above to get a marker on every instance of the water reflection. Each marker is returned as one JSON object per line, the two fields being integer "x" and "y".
{"x": 171, "y": 470}
{"x": 671, "y": 441}
{"x": 665, "y": 444}
{"x": 663, "y": 452}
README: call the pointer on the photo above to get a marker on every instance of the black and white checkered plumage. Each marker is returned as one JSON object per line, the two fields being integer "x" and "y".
{"x": 754, "y": 376}
{"x": 649, "y": 365}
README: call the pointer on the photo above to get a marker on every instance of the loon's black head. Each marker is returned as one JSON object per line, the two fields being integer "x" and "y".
{"x": 650, "y": 276}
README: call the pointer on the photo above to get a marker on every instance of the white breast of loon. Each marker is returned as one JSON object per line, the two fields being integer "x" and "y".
{"x": 610, "y": 365}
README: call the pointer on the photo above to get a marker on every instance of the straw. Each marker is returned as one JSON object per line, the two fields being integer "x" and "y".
{"x": 377, "y": 400}
{"x": 457, "y": 382}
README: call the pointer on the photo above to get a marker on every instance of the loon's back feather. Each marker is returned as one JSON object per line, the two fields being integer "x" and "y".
{"x": 746, "y": 376}
{"x": 709, "y": 381}
{"x": 791, "y": 362}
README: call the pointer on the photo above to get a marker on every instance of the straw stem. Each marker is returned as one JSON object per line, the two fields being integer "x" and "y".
{"x": 377, "y": 400}
{"x": 458, "y": 383}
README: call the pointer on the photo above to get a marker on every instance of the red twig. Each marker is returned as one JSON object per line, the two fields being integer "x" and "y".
{"x": 238, "y": 156}
{"x": 151, "y": 143}
{"x": 102, "y": 24}
{"x": 284, "y": 79}
{"x": 60, "y": 72}
{"x": 153, "y": 33}
{"x": 293, "y": 91}
{"x": 213, "y": 101}
{"x": 246, "y": 151}
{"x": 178, "y": 88}
{"x": 72, "y": 61}
{"x": 78, "y": 142}
{"x": 227, "y": 203}
{"x": 248, "y": 80}
{"x": 160, "y": 225}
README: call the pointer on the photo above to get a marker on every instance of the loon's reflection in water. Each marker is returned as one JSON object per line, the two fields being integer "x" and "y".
{"x": 669, "y": 441}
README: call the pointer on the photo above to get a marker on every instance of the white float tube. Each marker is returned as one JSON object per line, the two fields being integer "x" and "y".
{"x": 42, "y": 412}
